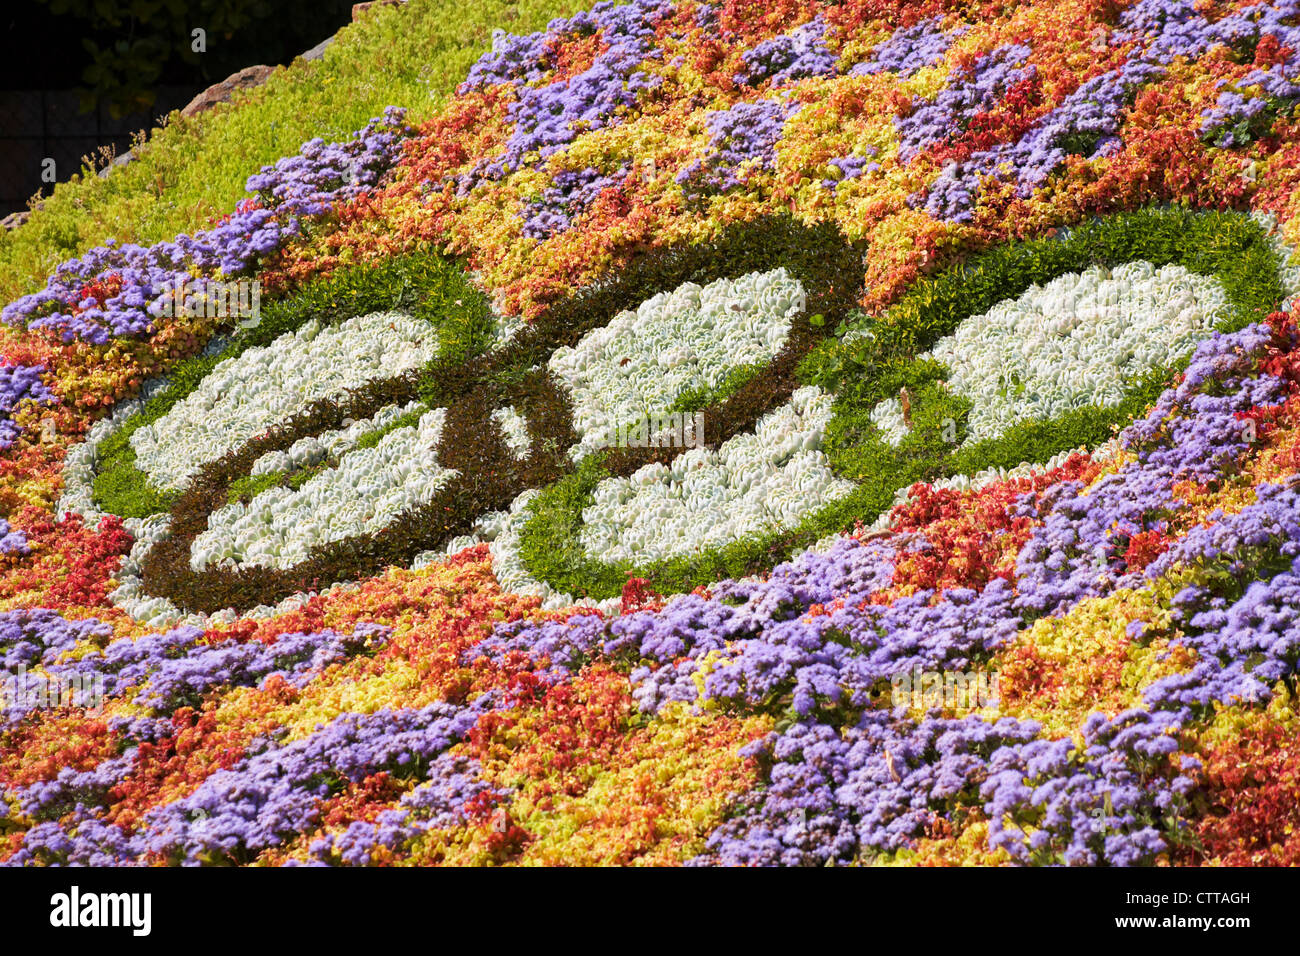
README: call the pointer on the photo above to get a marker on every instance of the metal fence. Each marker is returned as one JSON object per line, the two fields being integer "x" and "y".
{"x": 38, "y": 125}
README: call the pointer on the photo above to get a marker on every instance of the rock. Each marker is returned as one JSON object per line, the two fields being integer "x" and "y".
{"x": 15, "y": 219}
{"x": 360, "y": 8}
{"x": 316, "y": 52}
{"x": 118, "y": 161}
{"x": 249, "y": 76}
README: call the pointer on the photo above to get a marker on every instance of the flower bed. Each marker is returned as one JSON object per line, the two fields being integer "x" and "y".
{"x": 979, "y": 545}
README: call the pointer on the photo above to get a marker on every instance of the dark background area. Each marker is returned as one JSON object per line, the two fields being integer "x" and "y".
{"x": 77, "y": 75}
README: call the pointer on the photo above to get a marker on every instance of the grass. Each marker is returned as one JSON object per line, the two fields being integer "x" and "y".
{"x": 192, "y": 170}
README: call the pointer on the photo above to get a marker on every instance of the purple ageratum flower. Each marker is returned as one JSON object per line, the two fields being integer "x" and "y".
{"x": 833, "y": 794}
{"x": 274, "y": 794}
{"x": 666, "y": 646}
{"x": 142, "y": 729}
{"x": 814, "y": 663}
{"x": 72, "y": 789}
{"x": 1087, "y": 121}
{"x": 174, "y": 669}
{"x": 525, "y": 60}
{"x": 1243, "y": 621}
{"x": 270, "y": 797}
{"x": 125, "y": 664}
{"x": 324, "y": 174}
{"x": 40, "y": 637}
{"x": 180, "y": 681}
{"x": 1236, "y": 118}
{"x": 437, "y": 804}
{"x": 296, "y": 190}
{"x": 81, "y": 838}
{"x": 574, "y": 192}
{"x": 851, "y": 167}
{"x": 12, "y": 542}
{"x": 547, "y": 117}
{"x": 764, "y": 649}
{"x": 793, "y": 56}
{"x": 742, "y": 141}
{"x": 18, "y": 384}
{"x": 1114, "y": 802}
{"x": 1192, "y": 432}
{"x": 969, "y": 91}
{"x": 910, "y": 49}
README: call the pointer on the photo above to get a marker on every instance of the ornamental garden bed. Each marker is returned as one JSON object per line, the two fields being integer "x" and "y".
{"x": 857, "y": 434}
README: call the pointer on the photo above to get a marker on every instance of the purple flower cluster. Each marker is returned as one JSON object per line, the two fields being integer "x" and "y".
{"x": 547, "y": 117}
{"x": 690, "y": 626}
{"x": 73, "y": 789}
{"x": 323, "y": 174}
{"x": 1193, "y": 432}
{"x": 127, "y": 663}
{"x": 79, "y": 839}
{"x": 1237, "y": 117}
{"x": 1087, "y": 121}
{"x": 741, "y": 139}
{"x": 29, "y": 638}
{"x": 573, "y": 194}
{"x": 174, "y": 669}
{"x": 832, "y": 794}
{"x": 910, "y": 49}
{"x": 272, "y": 796}
{"x": 13, "y": 541}
{"x": 1111, "y": 802}
{"x": 1245, "y": 640}
{"x": 182, "y": 681}
{"x": 800, "y": 53}
{"x": 851, "y": 167}
{"x": 818, "y": 663}
{"x": 167, "y": 670}
{"x": 970, "y": 91}
{"x": 113, "y": 290}
{"x": 437, "y": 804}
{"x": 269, "y": 797}
{"x": 41, "y": 636}
{"x": 763, "y": 648}
{"x": 18, "y": 384}
{"x": 527, "y": 59}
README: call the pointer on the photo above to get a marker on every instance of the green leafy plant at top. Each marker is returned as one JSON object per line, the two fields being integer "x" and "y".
{"x": 193, "y": 169}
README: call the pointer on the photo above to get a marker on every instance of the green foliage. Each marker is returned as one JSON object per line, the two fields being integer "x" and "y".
{"x": 695, "y": 399}
{"x": 372, "y": 438}
{"x": 250, "y": 486}
{"x": 1228, "y": 246}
